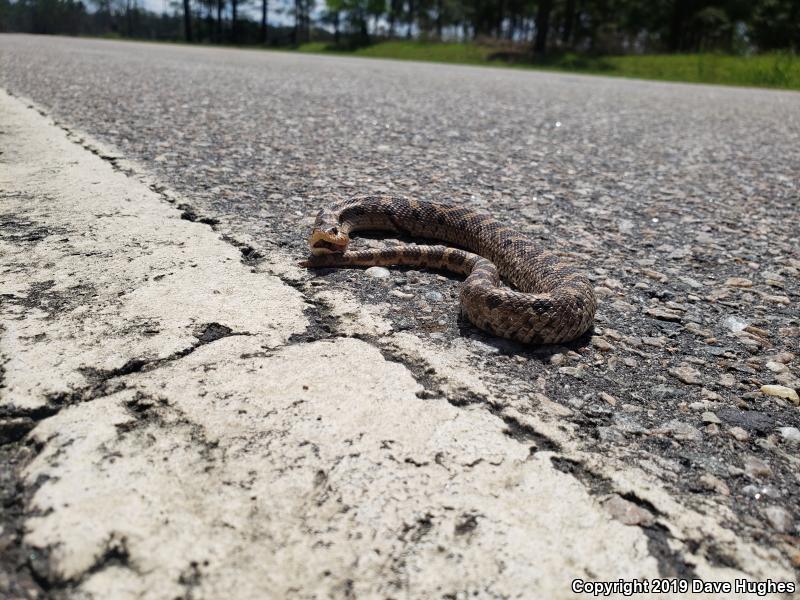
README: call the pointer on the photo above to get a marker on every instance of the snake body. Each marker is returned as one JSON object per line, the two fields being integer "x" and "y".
{"x": 552, "y": 303}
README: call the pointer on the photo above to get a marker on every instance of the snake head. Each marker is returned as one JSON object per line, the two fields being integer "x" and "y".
{"x": 328, "y": 240}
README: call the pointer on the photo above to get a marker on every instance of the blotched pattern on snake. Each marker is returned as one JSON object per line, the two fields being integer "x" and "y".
{"x": 552, "y": 301}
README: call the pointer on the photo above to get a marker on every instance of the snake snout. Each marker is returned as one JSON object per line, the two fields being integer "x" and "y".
{"x": 328, "y": 241}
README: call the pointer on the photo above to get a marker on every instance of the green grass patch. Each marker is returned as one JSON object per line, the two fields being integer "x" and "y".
{"x": 777, "y": 70}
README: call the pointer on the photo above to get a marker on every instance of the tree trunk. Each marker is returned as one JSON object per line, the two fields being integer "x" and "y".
{"x": 410, "y": 18}
{"x": 234, "y": 25}
{"x": 264, "y": 9}
{"x": 219, "y": 21}
{"x": 542, "y": 26}
{"x": 187, "y": 19}
{"x": 679, "y": 14}
{"x": 296, "y": 29}
{"x": 569, "y": 22}
{"x": 336, "y": 35}
{"x": 439, "y": 19}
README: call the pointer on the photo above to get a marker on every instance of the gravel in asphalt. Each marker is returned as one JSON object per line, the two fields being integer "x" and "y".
{"x": 681, "y": 202}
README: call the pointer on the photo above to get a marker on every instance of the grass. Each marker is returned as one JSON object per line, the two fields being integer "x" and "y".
{"x": 776, "y": 70}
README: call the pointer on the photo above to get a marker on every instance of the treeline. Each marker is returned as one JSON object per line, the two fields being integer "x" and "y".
{"x": 541, "y": 26}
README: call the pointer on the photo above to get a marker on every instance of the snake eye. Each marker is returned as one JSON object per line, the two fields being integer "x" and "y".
{"x": 334, "y": 230}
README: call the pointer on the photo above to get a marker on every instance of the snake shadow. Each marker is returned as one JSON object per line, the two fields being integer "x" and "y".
{"x": 539, "y": 352}
{"x": 504, "y": 346}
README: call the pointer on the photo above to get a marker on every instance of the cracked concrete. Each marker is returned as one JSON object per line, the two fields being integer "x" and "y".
{"x": 190, "y": 438}
{"x": 128, "y": 279}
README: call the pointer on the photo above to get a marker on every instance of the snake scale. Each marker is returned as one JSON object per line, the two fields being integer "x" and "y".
{"x": 552, "y": 301}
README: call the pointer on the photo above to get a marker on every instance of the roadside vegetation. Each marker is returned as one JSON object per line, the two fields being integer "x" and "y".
{"x": 775, "y": 69}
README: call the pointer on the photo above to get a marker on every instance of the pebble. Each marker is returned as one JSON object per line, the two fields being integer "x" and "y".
{"x": 601, "y": 344}
{"x": 663, "y": 314}
{"x": 655, "y": 342}
{"x": 688, "y": 375}
{"x": 715, "y": 484}
{"x": 790, "y": 434}
{"x": 680, "y": 430}
{"x": 433, "y": 296}
{"x": 727, "y": 380}
{"x": 378, "y": 272}
{"x": 758, "y": 492}
{"x": 608, "y": 398}
{"x": 780, "y": 518}
{"x": 627, "y": 512}
{"x": 710, "y": 395}
{"x": 552, "y": 407}
{"x": 734, "y": 324}
{"x": 781, "y": 391}
{"x": 776, "y": 367}
{"x": 783, "y": 357}
{"x": 576, "y": 372}
{"x": 756, "y": 468}
{"x": 739, "y": 434}
{"x": 399, "y": 294}
{"x": 740, "y": 282}
{"x": 710, "y": 417}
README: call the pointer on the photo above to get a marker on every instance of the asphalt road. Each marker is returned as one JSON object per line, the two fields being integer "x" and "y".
{"x": 681, "y": 202}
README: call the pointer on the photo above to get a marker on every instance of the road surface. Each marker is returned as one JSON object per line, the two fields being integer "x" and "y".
{"x": 186, "y": 413}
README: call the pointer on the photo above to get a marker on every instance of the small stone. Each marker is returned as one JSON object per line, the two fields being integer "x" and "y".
{"x": 680, "y": 430}
{"x": 686, "y": 374}
{"x": 739, "y": 434}
{"x": 739, "y": 282}
{"x": 780, "y": 518}
{"x": 782, "y": 357}
{"x": 757, "y": 492}
{"x": 780, "y": 391}
{"x": 601, "y": 344}
{"x": 663, "y": 314}
{"x": 757, "y": 331}
{"x": 433, "y": 296}
{"x": 734, "y": 324}
{"x": 557, "y": 359}
{"x": 399, "y": 294}
{"x": 552, "y": 407}
{"x": 378, "y": 272}
{"x": 756, "y": 468}
{"x": 655, "y": 342}
{"x": 777, "y": 299}
{"x": 714, "y": 484}
{"x": 727, "y": 380}
{"x": 576, "y": 372}
{"x": 790, "y": 434}
{"x": 710, "y": 417}
{"x": 776, "y": 367}
{"x": 627, "y": 512}
{"x": 608, "y": 398}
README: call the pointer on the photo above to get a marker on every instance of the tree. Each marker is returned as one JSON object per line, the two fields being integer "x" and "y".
{"x": 220, "y": 6}
{"x": 187, "y": 20}
{"x": 264, "y": 8}
{"x": 542, "y": 25}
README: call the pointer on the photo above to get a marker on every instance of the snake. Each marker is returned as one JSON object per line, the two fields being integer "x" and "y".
{"x": 548, "y": 300}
